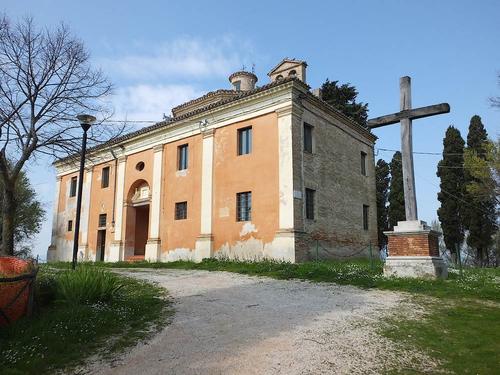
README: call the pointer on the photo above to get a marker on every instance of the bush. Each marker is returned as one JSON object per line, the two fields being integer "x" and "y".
{"x": 87, "y": 285}
{"x": 45, "y": 287}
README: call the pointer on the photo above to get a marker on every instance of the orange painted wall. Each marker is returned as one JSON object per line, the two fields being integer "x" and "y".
{"x": 101, "y": 202}
{"x": 180, "y": 186}
{"x": 256, "y": 172}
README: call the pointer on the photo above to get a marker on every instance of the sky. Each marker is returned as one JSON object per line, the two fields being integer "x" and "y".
{"x": 159, "y": 54}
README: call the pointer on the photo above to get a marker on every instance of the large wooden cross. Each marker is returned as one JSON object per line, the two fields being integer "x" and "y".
{"x": 405, "y": 117}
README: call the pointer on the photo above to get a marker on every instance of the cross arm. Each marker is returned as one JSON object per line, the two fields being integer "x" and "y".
{"x": 412, "y": 114}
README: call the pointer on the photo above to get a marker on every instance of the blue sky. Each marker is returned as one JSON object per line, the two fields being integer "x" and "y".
{"x": 159, "y": 54}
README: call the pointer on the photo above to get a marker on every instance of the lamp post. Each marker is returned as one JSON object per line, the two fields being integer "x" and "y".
{"x": 85, "y": 121}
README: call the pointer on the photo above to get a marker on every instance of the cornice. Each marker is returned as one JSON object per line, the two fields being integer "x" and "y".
{"x": 158, "y": 148}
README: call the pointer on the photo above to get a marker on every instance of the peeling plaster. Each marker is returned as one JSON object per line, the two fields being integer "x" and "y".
{"x": 178, "y": 254}
{"x": 181, "y": 173}
{"x": 220, "y": 146}
{"x": 247, "y": 228}
{"x": 281, "y": 249}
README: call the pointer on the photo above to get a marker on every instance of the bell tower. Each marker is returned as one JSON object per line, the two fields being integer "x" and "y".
{"x": 289, "y": 68}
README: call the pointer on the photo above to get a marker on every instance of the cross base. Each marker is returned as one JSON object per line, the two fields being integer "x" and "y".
{"x": 414, "y": 251}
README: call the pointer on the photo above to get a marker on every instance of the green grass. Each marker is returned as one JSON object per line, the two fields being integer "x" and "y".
{"x": 69, "y": 326}
{"x": 463, "y": 334}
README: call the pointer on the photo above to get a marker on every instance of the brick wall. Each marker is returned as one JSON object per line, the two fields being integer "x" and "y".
{"x": 333, "y": 170}
{"x": 418, "y": 244}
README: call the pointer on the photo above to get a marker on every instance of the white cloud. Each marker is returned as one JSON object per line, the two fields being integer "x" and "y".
{"x": 149, "y": 102}
{"x": 181, "y": 58}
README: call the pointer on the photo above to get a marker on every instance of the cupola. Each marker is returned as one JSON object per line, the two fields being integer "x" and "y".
{"x": 243, "y": 81}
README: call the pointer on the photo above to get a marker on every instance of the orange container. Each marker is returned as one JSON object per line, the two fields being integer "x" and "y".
{"x": 17, "y": 277}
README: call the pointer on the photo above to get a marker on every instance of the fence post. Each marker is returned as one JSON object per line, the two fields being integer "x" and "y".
{"x": 371, "y": 257}
{"x": 459, "y": 258}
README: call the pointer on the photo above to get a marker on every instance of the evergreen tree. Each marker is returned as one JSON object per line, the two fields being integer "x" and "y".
{"x": 480, "y": 212}
{"x": 343, "y": 98}
{"x": 396, "y": 192}
{"x": 452, "y": 186}
{"x": 382, "y": 181}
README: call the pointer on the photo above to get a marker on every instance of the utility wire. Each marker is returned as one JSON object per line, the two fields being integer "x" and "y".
{"x": 450, "y": 194}
{"x": 124, "y": 121}
{"x": 423, "y": 153}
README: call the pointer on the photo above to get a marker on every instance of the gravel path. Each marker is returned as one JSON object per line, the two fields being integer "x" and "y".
{"x": 227, "y": 323}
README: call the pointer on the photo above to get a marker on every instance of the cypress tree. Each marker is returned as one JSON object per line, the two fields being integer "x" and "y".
{"x": 382, "y": 181}
{"x": 343, "y": 98}
{"x": 396, "y": 192}
{"x": 450, "y": 171}
{"x": 480, "y": 212}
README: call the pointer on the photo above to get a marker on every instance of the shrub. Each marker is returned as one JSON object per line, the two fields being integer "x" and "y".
{"x": 87, "y": 285}
{"x": 45, "y": 286}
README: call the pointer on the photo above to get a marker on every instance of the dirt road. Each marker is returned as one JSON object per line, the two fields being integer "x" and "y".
{"x": 228, "y": 323}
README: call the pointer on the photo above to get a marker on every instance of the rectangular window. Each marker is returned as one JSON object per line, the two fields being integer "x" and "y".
{"x": 105, "y": 177}
{"x": 72, "y": 189}
{"x": 363, "y": 163}
{"x": 70, "y": 225}
{"x": 182, "y": 156}
{"x": 181, "y": 210}
{"x": 310, "y": 203}
{"x": 245, "y": 141}
{"x": 308, "y": 138}
{"x": 102, "y": 220}
{"x": 244, "y": 206}
{"x": 366, "y": 211}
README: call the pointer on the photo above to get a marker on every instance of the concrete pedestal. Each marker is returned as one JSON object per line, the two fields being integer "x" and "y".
{"x": 414, "y": 251}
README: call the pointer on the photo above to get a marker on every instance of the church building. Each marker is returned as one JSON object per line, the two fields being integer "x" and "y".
{"x": 249, "y": 173}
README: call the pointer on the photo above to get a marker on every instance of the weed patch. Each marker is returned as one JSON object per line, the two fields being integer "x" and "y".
{"x": 114, "y": 315}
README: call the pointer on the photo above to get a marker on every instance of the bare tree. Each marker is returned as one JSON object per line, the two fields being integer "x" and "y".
{"x": 45, "y": 80}
{"x": 495, "y": 100}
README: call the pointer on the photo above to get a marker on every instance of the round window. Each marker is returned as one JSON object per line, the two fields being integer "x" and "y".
{"x": 139, "y": 166}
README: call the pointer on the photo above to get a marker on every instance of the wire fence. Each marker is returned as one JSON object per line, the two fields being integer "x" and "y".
{"x": 322, "y": 249}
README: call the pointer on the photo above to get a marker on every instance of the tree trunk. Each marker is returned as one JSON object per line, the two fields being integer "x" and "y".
{"x": 497, "y": 250}
{"x": 8, "y": 212}
{"x": 454, "y": 259}
{"x": 480, "y": 256}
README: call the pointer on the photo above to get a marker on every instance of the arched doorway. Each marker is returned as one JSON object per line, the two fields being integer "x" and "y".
{"x": 137, "y": 220}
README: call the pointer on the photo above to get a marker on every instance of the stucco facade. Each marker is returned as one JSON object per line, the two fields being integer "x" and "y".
{"x": 158, "y": 211}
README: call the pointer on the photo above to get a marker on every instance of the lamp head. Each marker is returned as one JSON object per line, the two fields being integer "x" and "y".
{"x": 86, "y": 121}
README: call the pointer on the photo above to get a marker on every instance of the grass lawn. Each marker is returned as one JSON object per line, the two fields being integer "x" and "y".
{"x": 461, "y": 327}
{"x": 69, "y": 327}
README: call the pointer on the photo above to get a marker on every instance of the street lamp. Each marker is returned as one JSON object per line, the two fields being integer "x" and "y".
{"x": 85, "y": 121}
